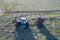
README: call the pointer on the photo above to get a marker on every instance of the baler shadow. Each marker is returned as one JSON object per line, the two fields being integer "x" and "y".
{"x": 46, "y": 32}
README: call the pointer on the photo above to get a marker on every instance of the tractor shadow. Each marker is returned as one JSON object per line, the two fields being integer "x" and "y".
{"x": 25, "y": 34}
{"x": 45, "y": 32}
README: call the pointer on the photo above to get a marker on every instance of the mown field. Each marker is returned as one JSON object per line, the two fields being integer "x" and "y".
{"x": 50, "y": 30}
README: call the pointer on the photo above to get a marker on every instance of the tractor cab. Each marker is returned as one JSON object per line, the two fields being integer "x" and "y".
{"x": 22, "y": 23}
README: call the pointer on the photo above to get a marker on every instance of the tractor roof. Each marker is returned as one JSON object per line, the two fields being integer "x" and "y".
{"x": 23, "y": 18}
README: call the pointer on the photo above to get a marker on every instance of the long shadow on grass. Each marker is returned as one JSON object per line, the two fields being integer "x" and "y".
{"x": 44, "y": 31}
{"x": 25, "y": 34}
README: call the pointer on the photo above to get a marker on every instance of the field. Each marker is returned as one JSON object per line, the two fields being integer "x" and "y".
{"x": 50, "y": 30}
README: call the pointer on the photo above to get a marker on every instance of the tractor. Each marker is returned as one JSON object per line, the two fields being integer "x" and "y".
{"x": 22, "y": 23}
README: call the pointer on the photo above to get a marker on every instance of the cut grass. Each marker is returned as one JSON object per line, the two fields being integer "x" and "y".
{"x": 46, "y": 15}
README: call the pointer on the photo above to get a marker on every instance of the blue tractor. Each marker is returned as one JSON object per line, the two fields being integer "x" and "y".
{"x": 22, "y": 23}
